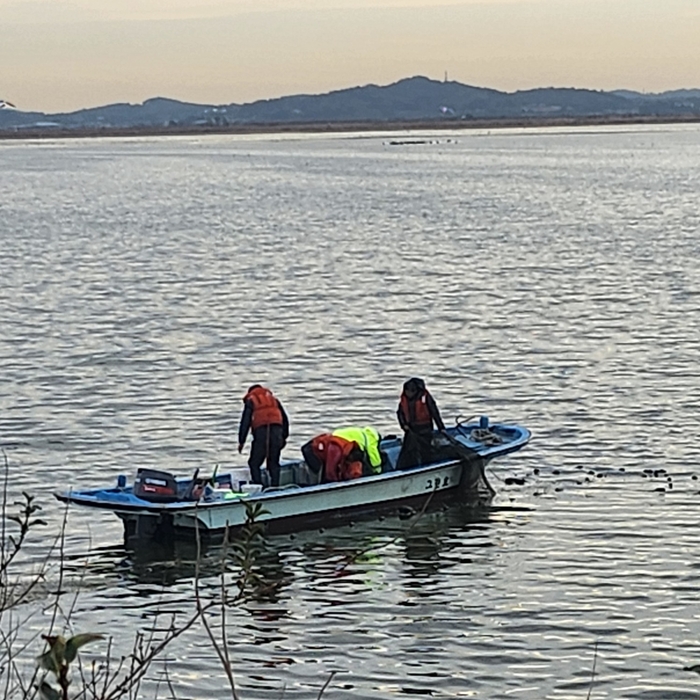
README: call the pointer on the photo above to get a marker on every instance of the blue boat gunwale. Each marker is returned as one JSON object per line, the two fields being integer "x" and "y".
{"x": 108, "y": 498}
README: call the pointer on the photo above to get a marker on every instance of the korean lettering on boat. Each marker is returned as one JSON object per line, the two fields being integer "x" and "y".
{"x": 437, "y": 482}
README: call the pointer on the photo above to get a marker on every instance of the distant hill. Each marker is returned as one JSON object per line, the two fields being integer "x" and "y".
{"x": 411, "y": 99}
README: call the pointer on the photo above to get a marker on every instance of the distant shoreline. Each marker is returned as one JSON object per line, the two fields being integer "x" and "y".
{"x": 44, "y": 133}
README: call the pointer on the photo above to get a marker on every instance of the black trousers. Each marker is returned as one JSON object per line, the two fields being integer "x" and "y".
{"x": 416, "y": 450}
{"x": 268, "y": 441}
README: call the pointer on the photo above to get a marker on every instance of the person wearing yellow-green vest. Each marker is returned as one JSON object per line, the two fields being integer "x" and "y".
{"x": 367, "y": 439}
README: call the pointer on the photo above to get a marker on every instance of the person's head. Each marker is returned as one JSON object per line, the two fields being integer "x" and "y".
{"x": 354, "y": 469}
{"x": 413, "y": 387}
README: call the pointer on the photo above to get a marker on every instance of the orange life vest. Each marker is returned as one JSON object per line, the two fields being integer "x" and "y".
{"x": 266, "y": 410}
{"x": 335, "y": 453}
{"x": 416, "y": 412}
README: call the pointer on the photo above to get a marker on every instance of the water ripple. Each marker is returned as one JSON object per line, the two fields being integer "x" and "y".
{"x": 545, "y": 277}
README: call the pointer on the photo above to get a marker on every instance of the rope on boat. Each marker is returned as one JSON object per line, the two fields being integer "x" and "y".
{"x": 483, "y": 435}
{"x": 486, "y": 436}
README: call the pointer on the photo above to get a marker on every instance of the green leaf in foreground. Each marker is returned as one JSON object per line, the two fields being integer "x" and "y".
{"x": 74, "y": 643}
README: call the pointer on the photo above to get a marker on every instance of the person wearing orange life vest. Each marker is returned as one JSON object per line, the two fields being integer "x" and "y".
{"x": 334, "y": 457}
{"x": 418, "y": 415}
{"x": 266, "y": 418}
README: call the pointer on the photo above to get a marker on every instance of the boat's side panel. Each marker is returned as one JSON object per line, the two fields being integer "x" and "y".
{"x": 359, "y": 495}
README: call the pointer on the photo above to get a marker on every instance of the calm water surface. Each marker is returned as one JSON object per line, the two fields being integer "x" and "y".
{"x": 544, "y": 277}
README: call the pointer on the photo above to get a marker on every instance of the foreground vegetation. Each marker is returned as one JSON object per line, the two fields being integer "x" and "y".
{"x": 56, "y": 669}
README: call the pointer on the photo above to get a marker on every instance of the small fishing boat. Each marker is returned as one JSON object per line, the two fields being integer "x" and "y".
{"x": 159, "y": 506}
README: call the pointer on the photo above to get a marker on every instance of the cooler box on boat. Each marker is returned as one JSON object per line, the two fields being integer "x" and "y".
{"x": 239, "y": 477}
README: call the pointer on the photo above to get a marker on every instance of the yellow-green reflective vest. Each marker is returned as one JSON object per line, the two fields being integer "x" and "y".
{"x": 368, "y": 440}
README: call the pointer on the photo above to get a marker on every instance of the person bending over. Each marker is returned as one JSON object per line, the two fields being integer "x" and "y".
{"x": 334, "y": 458}
{"x": 266, "y": 418}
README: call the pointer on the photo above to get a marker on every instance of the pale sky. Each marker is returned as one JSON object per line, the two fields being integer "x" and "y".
{"x": 63, "y": 55}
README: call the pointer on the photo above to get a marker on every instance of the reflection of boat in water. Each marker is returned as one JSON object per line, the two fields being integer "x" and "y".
{"x": 151, "y": 566}
{"x": 158, "y": 506}
{"x": 420, "y": 543}
{"x": 404, "y": 562}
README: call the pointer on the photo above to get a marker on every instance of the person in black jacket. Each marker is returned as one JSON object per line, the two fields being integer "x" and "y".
{"x": 418, "y": 416}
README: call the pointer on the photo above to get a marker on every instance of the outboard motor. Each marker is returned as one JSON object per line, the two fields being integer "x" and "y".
{"x": 155, "y": 486}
